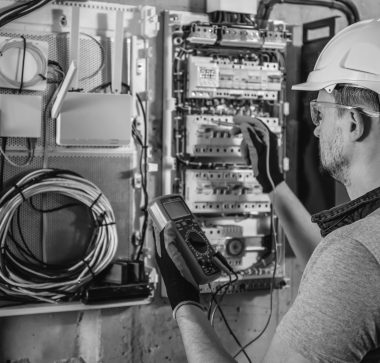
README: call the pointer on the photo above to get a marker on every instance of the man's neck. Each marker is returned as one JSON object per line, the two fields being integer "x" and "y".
{"x": 363, "y": 181}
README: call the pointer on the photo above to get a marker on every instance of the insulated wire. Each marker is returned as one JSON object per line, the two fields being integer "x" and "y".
{"x": 40, "y": 284}
{"x": 103, "y": 57}
{"x": 2, "y": 162}
{"x": 211, "y": 312}
{"x": 217, "y": 303}
{"x": 21, "y": 10}
{"x": 144, "y": 172}
{"x": 38, "y": 56}
{"x": 102, "y": 54}
{"x": 275, "y": 242}
{"x": 31, "y": 150}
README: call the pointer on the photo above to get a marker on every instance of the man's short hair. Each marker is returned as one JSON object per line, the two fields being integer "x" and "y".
{"x": 356, "y": 96}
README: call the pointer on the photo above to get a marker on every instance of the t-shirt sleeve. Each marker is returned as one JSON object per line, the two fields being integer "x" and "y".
{"x": 336, "y": 316}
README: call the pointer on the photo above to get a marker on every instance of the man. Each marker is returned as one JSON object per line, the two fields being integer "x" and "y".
{"x": 336, "y": 315}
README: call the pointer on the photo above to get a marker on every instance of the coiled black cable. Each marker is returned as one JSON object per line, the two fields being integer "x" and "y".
{"x": 22, "y": 274}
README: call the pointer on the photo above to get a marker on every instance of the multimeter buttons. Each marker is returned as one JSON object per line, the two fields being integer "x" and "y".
{"x": 197, "y": 241}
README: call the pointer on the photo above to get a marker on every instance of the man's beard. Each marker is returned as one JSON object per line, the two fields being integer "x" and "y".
{"x": 332, "y": 158}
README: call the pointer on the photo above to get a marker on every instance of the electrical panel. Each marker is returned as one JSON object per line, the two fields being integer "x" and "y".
{"x": 74, "y": 105}
{"x": 215, "y": 70}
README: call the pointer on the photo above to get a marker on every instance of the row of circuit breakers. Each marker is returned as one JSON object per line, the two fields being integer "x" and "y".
{"x": 219, "y": 71}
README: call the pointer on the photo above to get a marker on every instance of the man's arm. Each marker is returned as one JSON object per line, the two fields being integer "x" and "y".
{"x": 202, "y": 344}
{"x": 259, "y": 148}
{"x": 199, "y": 338}
{"x": 303, "y": 235}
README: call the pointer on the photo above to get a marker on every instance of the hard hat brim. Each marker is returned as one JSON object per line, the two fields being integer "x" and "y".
{"x": 311, "y": 86}
{"x": 328, "y": 86}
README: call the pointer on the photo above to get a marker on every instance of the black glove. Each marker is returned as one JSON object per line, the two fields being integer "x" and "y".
{"x": 179, "y": 282}
{"x": 257, "y": 140}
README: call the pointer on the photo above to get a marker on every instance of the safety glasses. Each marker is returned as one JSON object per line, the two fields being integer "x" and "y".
{"x": 317, "y": 109}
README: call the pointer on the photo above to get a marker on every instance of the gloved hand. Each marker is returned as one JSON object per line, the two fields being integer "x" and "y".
{"x": 257, "y": 141}
{"x": 179, "y": 282}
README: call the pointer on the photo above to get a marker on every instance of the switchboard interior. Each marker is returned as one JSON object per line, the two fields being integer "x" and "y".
{"x": 218, "y": 68}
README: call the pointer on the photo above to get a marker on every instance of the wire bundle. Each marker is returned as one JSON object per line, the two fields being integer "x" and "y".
{"x": 36, "y": 280}
{"x": 17, "y": 11}
{"x": 35, "y": 52}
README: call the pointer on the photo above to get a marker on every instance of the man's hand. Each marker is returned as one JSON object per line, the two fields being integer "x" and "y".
{"x": 257, "y": 142}
{"x": 179, "y": 282}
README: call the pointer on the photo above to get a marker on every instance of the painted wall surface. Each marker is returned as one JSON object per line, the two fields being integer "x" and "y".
{"x": 148, "y": 333}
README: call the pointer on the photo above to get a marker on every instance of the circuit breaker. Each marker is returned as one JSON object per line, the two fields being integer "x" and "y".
{"x": 216, "y": 69}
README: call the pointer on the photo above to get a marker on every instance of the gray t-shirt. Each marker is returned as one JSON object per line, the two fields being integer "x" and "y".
{"x": 336, "y": 315}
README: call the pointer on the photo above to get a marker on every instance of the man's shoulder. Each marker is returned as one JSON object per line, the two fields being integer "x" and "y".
{"x": 319, "y": 326}
{"x": 358, "y": 243}
{"x": 365, "y": 231}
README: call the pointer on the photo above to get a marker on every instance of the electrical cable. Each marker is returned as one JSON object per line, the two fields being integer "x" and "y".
{"x": 103, "y": 58}
{"x": 23, "y": 63}
{"x": 21, "y": 10}
{"x": 274, "y": 246}
{"x": 56, "y": 69}
{"x": 38, "y": 56}
{"x": 199, "y": 164}
{"x": 144, "y": 174}
{"x": 31, "y": 142}
{"x": 34, "y": 280}
{"x": 101, "y": 87}
{"x": 213, "y": 300}
{"x": 223, "y": 264}
{"x": 211, "y": 311}
{"x": 354, "y": 10}
{"x": 345, "y": 6}
{"x": 329, "y": 4}
{"x": 136, "y": 134}
{"x": 270, "y": 305}
{"x": 2, "y": 162}
{"x": 102, "y": 54}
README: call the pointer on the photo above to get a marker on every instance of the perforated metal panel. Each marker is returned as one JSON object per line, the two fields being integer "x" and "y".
{"x": 30, "y": 221}
{"x": 113, "y": 177}
{"x": 54, "y": 236}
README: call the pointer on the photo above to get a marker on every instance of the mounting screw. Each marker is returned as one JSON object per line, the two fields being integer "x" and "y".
{"x": 63, "y": 20}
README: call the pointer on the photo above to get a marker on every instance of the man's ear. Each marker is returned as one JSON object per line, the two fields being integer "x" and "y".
{"x": 357, "y": 131}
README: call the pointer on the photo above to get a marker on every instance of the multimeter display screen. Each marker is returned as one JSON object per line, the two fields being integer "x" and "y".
{"x": 176, "y": 209}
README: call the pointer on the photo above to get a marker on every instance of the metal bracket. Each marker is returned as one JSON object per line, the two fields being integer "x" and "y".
{"x": 117, "y": 61}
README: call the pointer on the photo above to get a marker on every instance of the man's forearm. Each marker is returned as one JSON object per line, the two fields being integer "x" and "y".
{"x": 199, "y": 338}
{"x": 302, "y": 234}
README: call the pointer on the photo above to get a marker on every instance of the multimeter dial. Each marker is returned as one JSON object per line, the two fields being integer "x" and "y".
{"x": 197, "y": 241}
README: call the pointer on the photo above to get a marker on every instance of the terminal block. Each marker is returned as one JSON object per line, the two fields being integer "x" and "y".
{"x": 225, "y": 191}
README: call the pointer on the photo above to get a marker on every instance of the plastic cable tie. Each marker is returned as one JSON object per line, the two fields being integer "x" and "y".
{"x": 96, "y": 200}
{"x": 19, "y": 190}
{"x": 89, "y": 268}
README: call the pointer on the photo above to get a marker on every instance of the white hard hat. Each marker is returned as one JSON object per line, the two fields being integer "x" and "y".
{"x": 352, "y": 56}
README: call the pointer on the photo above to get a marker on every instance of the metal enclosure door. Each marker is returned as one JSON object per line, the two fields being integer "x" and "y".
{"x": 316, "y": 188}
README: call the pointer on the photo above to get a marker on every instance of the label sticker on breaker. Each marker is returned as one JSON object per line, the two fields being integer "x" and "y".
{"x": 222, "y": 77}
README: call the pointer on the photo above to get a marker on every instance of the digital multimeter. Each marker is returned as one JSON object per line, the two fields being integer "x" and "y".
{"x": 192, "y": 243}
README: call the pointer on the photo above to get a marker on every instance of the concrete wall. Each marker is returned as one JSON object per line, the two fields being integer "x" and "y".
{"x": 148, "y": 333}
